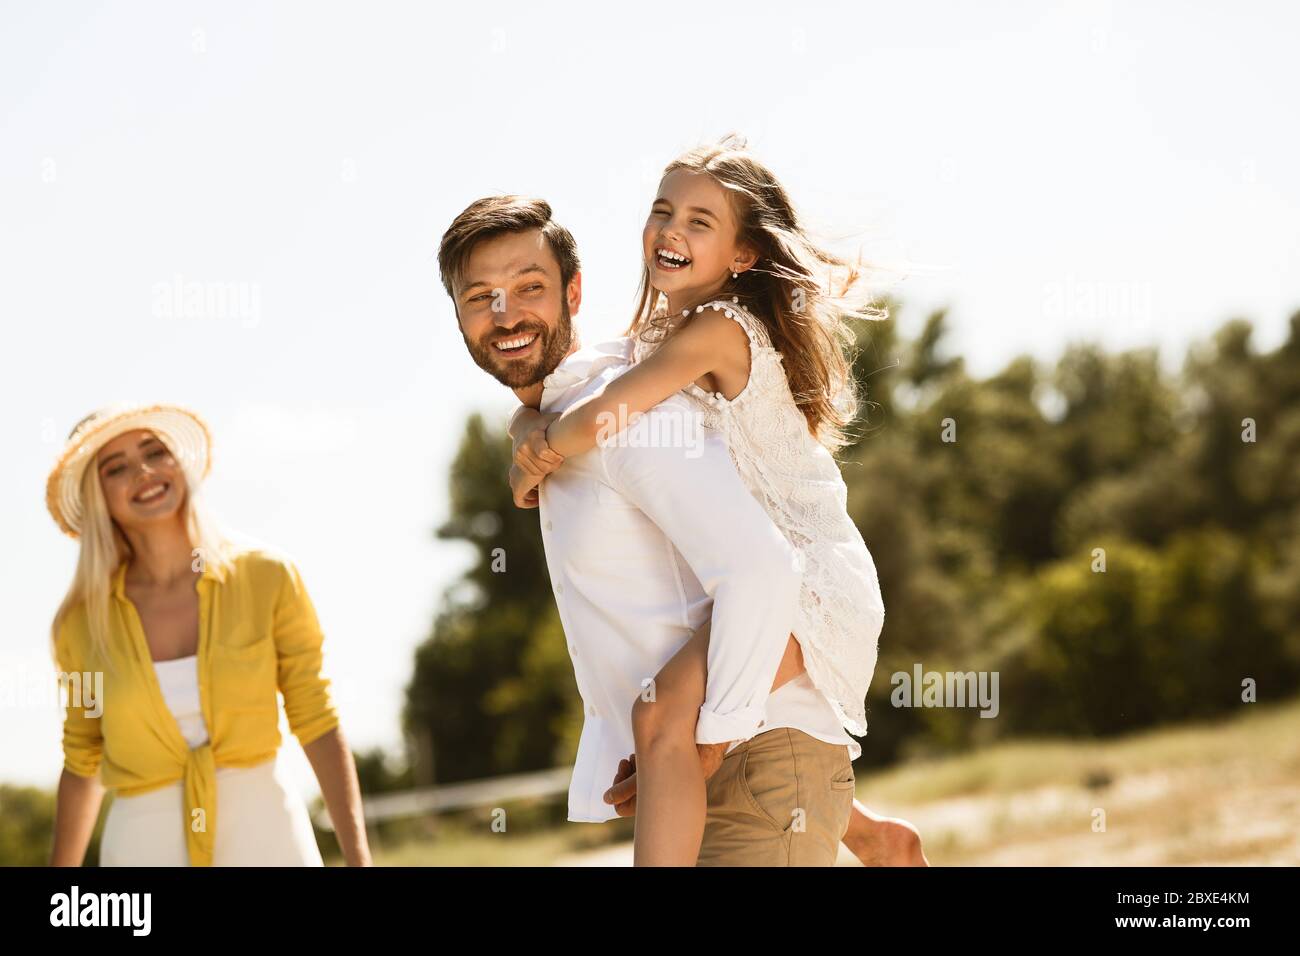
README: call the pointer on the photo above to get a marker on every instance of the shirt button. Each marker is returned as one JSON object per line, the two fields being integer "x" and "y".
{"x": 548, "y": 526}
{"x": 573, "y": 648}
{"x": 559, "y": 588}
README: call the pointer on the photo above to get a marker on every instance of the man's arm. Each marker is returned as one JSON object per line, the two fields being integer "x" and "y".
{"x": 739, "y": 556}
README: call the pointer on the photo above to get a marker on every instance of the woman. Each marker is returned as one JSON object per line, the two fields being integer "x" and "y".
{"x": 178, "y": 640}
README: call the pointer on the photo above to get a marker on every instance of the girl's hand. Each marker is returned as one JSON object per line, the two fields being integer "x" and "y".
{"x": 523, "y": 487}
{"x": 533, "y": 455}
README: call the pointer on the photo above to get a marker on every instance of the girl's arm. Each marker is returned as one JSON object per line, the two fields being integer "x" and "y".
{"x": 527, "y": 416}
{"x": 524, "y": 420}
{"x": 523, "y": 488}
{"x": 530, "y": 453}
{"x": 709, "y": 342}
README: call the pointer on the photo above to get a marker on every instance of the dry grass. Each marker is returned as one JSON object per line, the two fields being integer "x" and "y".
{"x": 1221, "y": 792}
{"x": 1225, "y": 792}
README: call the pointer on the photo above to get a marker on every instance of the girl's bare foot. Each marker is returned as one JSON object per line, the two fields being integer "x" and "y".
{"x": 883, "y": 841}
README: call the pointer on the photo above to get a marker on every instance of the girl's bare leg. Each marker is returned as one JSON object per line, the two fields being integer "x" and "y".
{"x": 671, "y": 796}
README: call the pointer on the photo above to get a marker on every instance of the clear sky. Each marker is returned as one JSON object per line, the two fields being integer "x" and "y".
{"x": 1118, "y": 172}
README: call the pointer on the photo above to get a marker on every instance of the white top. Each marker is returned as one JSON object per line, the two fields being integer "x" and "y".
{"x": 799, "y": 704}
{"x": 179, "y": 681}
{"x": 797, "y": 481}
{"x": 646, "y": 538}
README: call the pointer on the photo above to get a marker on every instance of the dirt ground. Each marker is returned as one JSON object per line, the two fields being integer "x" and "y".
{"x": 1221, "y": 793}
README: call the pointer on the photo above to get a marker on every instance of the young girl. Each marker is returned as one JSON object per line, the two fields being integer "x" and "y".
{"x": 753, "y": 335}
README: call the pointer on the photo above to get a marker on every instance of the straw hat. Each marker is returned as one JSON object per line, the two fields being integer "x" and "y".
{"x": 184, "y": 433}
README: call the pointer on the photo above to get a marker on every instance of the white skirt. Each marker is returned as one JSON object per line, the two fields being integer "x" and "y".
{"x": 259, "y": 823}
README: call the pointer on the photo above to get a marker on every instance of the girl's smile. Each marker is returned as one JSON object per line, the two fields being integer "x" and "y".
{"x": 691, "y": 238}
{"x": 668, "y": 260}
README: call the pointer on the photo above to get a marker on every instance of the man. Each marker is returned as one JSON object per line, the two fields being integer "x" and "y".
{"x": 645, "y": 542}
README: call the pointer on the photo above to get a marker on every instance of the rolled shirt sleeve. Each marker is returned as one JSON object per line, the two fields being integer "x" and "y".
{"x": 83, "y": 742}
{"x": 741, "y": 559}
{"x": 298, "y": 645}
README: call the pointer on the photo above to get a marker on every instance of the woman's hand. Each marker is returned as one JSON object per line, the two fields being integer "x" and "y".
{"x": 523, "y": 487}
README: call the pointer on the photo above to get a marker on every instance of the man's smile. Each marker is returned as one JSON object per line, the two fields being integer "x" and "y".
{"x": 516, "y": 345}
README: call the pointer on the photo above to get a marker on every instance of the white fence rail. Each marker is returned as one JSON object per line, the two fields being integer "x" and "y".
{"x": 490, "y": 792}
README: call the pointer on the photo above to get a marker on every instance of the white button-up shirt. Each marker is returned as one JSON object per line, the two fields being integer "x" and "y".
{"x": 647, "y": 536}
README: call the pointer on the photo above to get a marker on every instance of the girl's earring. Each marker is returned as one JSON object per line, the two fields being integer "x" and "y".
{"x": 735, "y": 275}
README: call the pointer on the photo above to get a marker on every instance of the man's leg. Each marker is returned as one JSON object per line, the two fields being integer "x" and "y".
{"x": 782, "y": 798}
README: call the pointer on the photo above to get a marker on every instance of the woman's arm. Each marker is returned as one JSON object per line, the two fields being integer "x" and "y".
{"x": 80, "y": 792}
{"x": 336, "y": 772}
{"x": 709, "y": 342}
{"x": 313, "y": 718}
{"x": 75, "y": 812}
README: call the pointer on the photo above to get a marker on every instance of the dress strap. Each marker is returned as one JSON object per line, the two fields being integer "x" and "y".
{"x": 732, "y": 309}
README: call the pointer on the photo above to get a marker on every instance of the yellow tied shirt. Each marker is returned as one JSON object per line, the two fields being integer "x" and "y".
{"x": 258, "y": 632}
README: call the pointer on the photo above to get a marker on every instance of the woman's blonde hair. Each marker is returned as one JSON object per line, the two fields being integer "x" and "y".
{"x": 104, "y": 547}
{"x": 793, "y": 289}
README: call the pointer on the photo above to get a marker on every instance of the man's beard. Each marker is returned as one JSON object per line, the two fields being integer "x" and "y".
{"x": 555, "y": 344}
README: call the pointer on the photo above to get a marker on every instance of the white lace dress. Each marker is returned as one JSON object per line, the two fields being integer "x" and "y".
{"x": 797, "y": 481}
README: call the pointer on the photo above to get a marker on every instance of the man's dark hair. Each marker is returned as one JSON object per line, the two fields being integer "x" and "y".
{"x": 497, "y": 215}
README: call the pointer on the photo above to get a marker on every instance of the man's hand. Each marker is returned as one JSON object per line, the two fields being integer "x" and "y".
{"x": 523, "y": 487}
{"x": 622, "y": 794}
{"x": 711, "y": 757}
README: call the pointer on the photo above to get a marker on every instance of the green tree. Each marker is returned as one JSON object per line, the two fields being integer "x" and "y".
{"x": 493, "y": 690}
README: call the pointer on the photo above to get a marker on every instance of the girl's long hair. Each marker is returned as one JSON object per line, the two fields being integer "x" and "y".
{"x": 104, "y": 547}
{"x": 805, "y": 295}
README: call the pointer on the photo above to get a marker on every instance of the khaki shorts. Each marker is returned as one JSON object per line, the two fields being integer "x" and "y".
{"x": 782, "y": 798}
